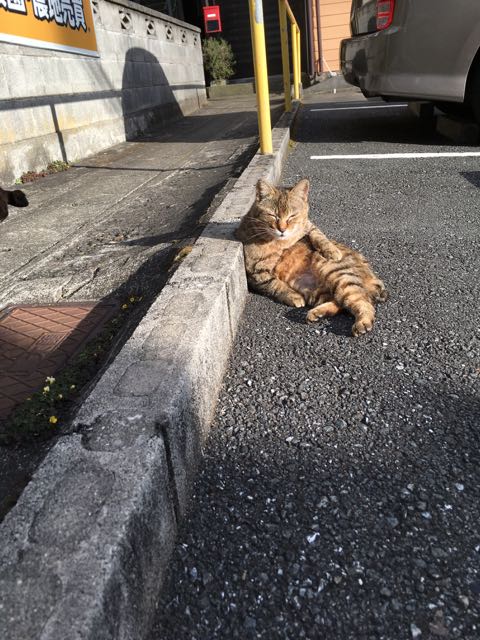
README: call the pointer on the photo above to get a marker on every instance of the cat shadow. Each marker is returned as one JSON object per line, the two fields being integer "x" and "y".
{"x": 213, "y": 230}
{"x": 340, "y": 325}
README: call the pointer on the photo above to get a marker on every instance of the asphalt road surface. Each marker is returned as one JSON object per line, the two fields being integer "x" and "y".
{"x": 340, "y": 492}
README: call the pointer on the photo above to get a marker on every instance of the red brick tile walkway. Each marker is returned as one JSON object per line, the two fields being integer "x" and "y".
{"x": 37, "y": 341}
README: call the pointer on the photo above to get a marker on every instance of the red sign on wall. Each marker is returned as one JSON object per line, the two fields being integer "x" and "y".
{"x": 211, "y": 19}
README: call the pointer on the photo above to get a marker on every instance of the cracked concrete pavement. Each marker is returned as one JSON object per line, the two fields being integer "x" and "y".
{"x": 113, "y": 222}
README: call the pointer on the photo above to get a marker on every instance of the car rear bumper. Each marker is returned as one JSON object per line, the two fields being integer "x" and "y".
{"x": 378, "y": 64}
{"x": 363, "y": 60}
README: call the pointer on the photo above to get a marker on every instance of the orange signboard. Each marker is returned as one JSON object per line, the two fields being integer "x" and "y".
{"x": 66, "y": 25}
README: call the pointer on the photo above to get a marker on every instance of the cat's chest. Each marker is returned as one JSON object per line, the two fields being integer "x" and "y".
{"x": 295, "y": 263}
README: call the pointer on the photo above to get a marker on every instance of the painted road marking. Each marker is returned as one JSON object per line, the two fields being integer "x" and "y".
{"x": 370, "y": 106}
{"x": 398, "y": 156}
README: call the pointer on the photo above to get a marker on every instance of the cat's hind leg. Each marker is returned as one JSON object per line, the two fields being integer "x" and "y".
{"x": 329, "y": 308}
{"x": 382, "y": 292}
{"x": 377, "y": 290}
{"x": 359, "y": 303}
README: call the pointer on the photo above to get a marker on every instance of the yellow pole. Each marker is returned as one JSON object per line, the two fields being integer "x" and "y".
{"x": 296, "y": 93}
{"x": 290, "y": 12}
{"x": 261, "y": 75}
{"x": 287, "y": 88}
{"x": 299, "y": 58}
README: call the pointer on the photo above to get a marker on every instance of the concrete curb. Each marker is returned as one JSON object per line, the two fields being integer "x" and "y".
{"x": 84, "y": 551}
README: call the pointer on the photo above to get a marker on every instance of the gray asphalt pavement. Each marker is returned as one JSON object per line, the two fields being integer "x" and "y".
{"x": 339, "y": 496}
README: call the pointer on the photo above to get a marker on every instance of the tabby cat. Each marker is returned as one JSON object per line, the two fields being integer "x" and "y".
{"x": 288, "y": 258}
{"x": 16, "y": 198}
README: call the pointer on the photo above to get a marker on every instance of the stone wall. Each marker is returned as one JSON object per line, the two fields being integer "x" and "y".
{"x": 65, "y": 106}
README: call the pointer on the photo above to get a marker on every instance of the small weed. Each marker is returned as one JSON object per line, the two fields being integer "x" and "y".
{"x": 54, "y": 167}
{"x": 57, "y": 165}
{"x": 181, "y": 255}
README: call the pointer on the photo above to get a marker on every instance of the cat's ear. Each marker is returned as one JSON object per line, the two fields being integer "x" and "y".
{"x": 301, "y": 189}
{"x": 264, "y": 190}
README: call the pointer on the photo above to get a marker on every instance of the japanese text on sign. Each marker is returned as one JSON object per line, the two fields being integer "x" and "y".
{"x": 56, "y": 24}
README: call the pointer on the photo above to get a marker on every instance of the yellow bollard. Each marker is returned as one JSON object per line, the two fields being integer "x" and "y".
{"x": 287, "y": 89}
{"x": 261, "y": 75}
{"x": 299, "y": 59}
{"x": 295, "y": 52}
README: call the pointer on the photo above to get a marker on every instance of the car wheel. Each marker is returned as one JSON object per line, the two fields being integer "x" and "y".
{"x": 460, "y": 109}
{"x": 473, "y": 92}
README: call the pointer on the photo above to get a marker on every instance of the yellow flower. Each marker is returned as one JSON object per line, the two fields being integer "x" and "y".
{"x": 53, "y": 420}
{"x": 72, "y": 386}
{"x": 46, "y": 389}
{"x": 49, "y": 379}
{"x": 124, "y": 306}
{"x": 132, "y": 299}
{"x": 29, "y": 399}
{"x": 60, "y": 396}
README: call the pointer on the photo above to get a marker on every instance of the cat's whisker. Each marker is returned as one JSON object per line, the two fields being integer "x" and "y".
{"x": 264, "y": 225}
{"x": 261, "y": 233}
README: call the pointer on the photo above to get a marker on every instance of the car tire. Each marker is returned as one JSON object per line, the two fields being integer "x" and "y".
{"x": 459, "y": 109}
{"x": 473, "y": 92}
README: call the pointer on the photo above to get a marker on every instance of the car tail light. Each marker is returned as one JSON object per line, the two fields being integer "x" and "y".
{"x": 385, "y": 9}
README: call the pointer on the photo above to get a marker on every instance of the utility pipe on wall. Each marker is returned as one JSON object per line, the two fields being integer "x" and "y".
{"x": 287, "y": 90}
{"x": 309, "y": 29}
{"x": 319, "y": 37}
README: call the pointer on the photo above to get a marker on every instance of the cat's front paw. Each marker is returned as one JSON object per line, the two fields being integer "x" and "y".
{"x": 335, "y": 254}
{"x": 296, "y": 300}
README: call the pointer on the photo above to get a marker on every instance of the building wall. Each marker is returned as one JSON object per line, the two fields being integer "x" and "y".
{"x": 236, "y": 30}
{"x": 56, "y": 105}
{"x": 334, "y": 27}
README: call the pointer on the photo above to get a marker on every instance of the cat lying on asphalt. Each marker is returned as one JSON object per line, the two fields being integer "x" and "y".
{"x": 16, "y": 198}
{"x": 288, "y": 258}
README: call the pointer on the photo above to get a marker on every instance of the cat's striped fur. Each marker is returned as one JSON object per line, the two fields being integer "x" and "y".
{"x": 288, "y": 258}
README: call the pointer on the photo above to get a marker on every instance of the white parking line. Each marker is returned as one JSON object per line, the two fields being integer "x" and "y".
{"x": 398, "y": 156}
{"x": 370, "y": 106}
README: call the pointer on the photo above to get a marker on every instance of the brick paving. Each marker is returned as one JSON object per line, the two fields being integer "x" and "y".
{"x": 37, "y": 341}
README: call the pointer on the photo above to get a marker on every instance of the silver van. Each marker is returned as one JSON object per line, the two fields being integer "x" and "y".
{"x": 415, "y": 49}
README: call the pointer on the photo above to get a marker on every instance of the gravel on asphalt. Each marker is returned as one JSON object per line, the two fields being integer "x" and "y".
{"x": 339, "y": 495}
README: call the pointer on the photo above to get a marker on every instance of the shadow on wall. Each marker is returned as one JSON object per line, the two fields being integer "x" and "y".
{"x": 84, "y": 121}
{"x": 148, "y": 100}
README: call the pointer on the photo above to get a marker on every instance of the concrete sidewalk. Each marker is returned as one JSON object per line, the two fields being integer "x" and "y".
{"x": 110, "y": 222}
{"x": 84, "y": 549}
{"x": 112, "y": 225}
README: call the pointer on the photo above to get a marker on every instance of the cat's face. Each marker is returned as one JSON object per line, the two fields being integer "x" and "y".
{"x": 282, "y": 212}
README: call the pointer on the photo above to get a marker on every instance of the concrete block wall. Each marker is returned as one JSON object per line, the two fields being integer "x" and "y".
{"x": 64, "y": 106}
